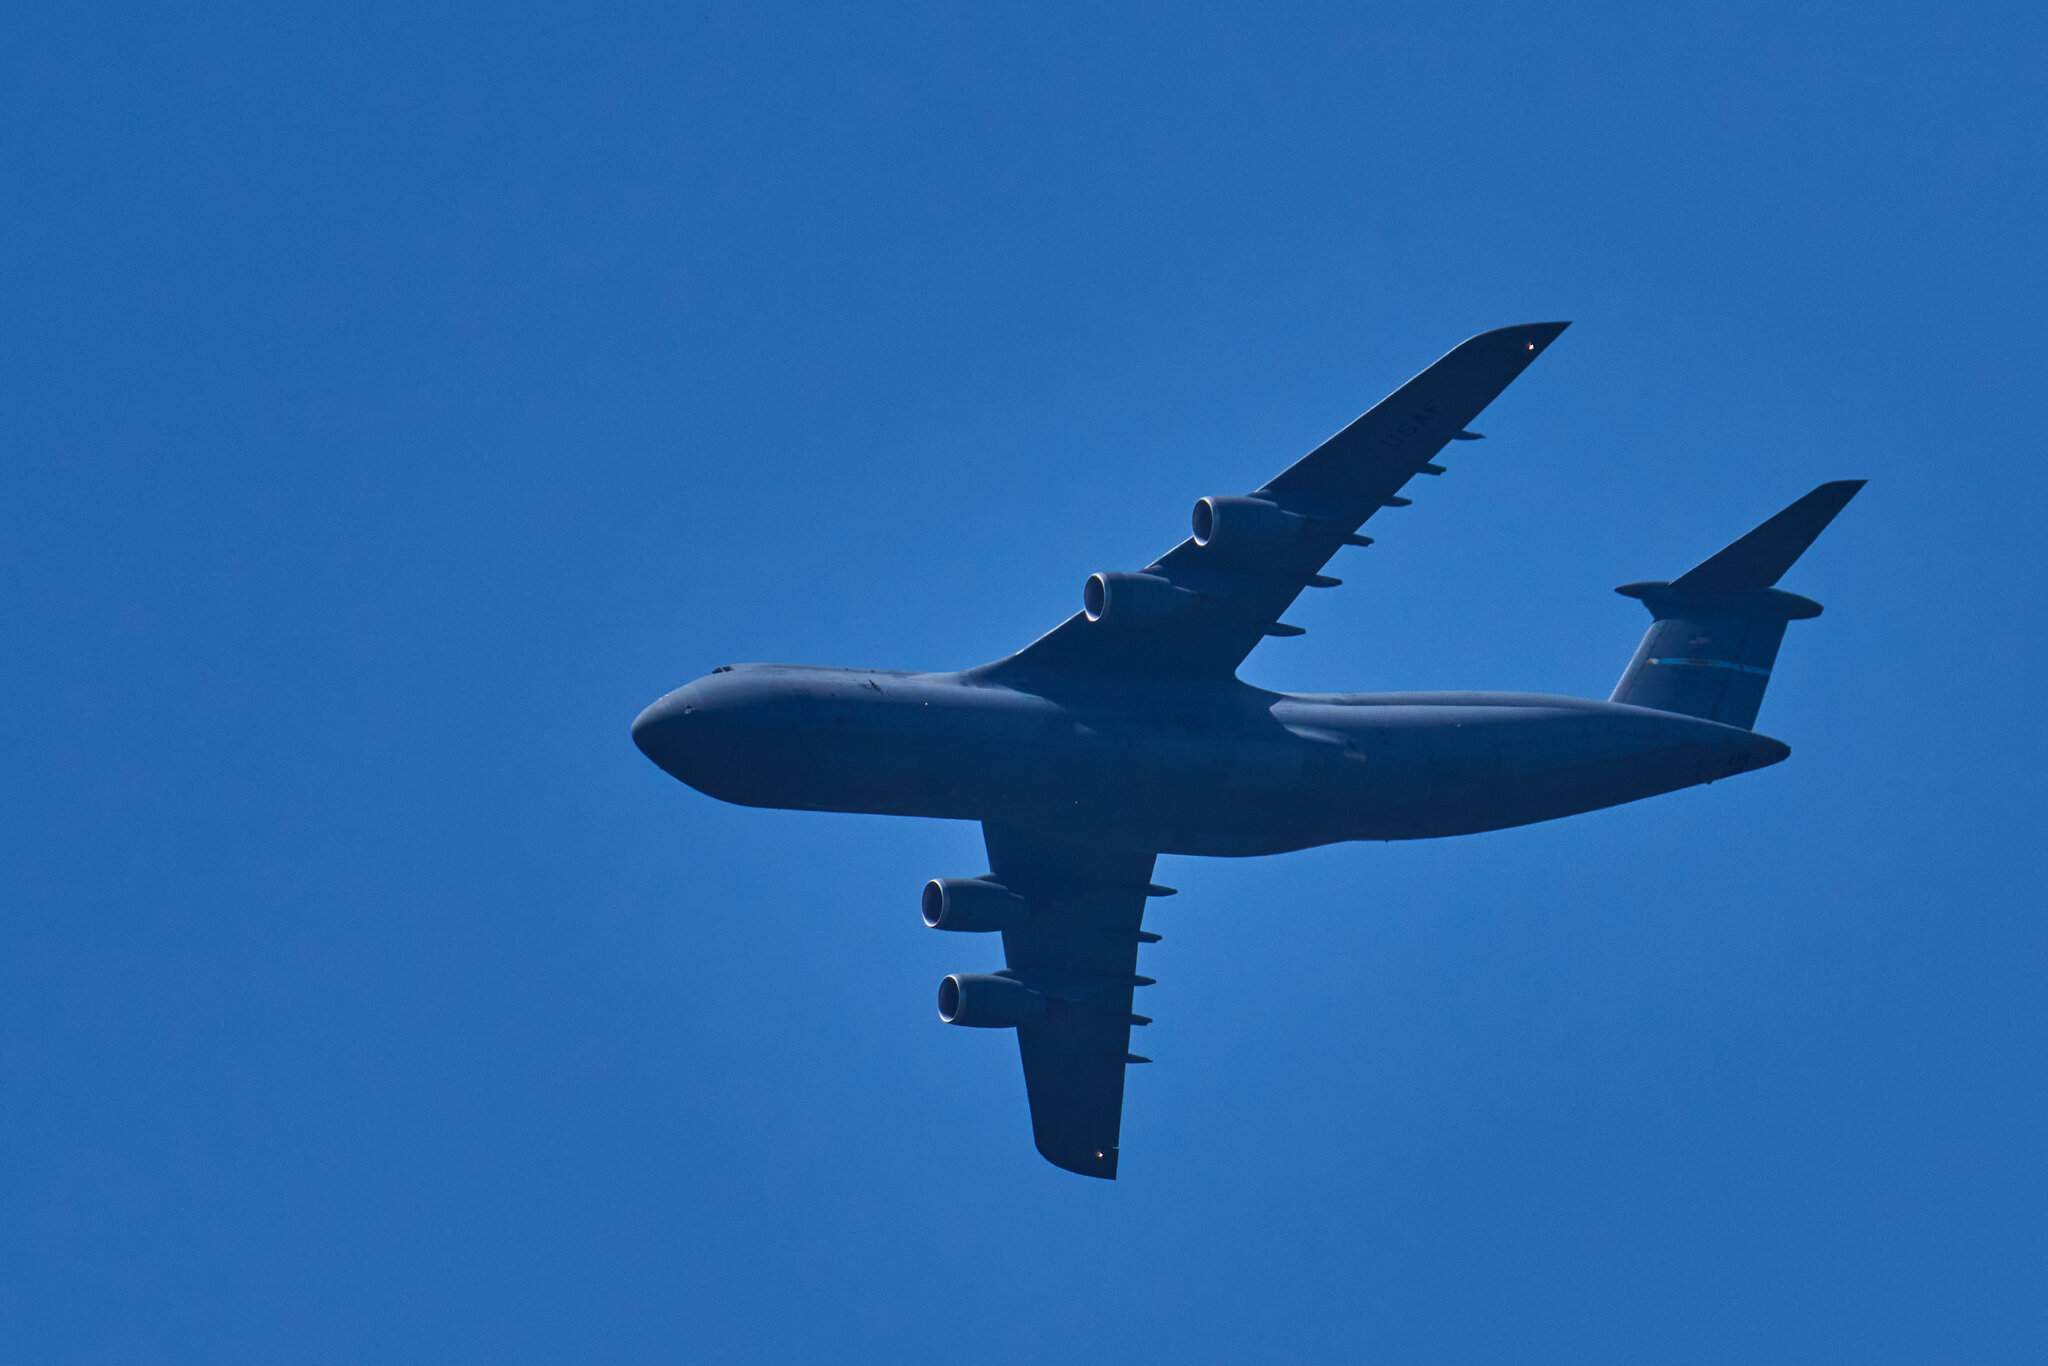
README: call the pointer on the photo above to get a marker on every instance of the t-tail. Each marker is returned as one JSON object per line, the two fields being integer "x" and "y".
{"x": 1710, "y": 650}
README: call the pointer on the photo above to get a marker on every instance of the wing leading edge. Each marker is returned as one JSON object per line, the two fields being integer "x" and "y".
{"x": 1079, "y": 950}
{"x": 1207, "y": 604}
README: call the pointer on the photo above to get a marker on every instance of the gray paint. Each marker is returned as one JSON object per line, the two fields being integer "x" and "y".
{"x": 1218, "y": 768}
{"x": 1124, "y": 734}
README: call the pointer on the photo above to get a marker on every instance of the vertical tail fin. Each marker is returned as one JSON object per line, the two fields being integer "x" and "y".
{"x": 1717, "y": 626}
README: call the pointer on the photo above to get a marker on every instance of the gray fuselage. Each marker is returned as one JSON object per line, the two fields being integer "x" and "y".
{"x": 1182, "y": 768}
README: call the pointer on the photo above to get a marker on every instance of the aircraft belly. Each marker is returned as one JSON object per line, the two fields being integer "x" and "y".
{"x": 1465, "y": 770}
{"x": 1233, "y": 782}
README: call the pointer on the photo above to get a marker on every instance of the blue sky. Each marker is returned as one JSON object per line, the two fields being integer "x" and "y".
{"x": 397, "y": 400}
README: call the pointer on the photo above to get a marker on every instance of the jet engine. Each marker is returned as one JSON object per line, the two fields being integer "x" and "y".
{"x": 972, "y": 903}
{"x": 1246, "y": 524}
{"x": 983, "y": 1001}
{"x": 1134, "y": 598}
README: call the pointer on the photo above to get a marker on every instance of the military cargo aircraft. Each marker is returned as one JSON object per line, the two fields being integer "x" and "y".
{"x": 1125, "y": 733}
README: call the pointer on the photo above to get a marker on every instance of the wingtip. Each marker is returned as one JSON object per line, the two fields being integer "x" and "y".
{"x": 1098, "y": 1163}
{"x": 1534, "y": 336}
{"x": 1837, "y": 492}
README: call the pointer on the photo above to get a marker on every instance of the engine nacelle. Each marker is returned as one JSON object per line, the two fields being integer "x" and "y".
{"x": 972, "y": 903}
{"x": 1133, "y": 598}
{"x": 1246, "y": 524}
{"x": 982, "y": 1001}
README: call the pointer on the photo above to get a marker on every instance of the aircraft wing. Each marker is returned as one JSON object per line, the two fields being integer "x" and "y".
{"x": 1200, "y": 608}
{"x": 1079, "y": 950}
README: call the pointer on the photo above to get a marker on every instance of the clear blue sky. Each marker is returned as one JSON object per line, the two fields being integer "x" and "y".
{"x": 396, "y": 400}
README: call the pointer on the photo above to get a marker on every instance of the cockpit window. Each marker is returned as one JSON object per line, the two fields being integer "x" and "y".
{"x": 723, "y": 669}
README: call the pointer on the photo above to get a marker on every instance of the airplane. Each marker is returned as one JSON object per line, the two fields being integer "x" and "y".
{"x": 1124, "y": 733}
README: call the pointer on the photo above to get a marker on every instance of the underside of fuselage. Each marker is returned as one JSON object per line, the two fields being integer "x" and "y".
{"x": 1217, "y": 769}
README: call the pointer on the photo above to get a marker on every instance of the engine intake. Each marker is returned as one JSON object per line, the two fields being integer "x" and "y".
{"x": 1133, "y": 598}
{"x": 983, "y": 1001}
{"x": 1237, "y": 524}
{"x": 974, "y": 904}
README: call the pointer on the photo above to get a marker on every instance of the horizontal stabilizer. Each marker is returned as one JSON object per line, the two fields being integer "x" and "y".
{"x": 1714, "y": 639}
{"x": 1761, "y": 558}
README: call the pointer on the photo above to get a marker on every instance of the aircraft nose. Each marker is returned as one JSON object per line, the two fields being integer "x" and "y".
{"x": 684, "y": 738}
{"x": 661, "y": 730}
